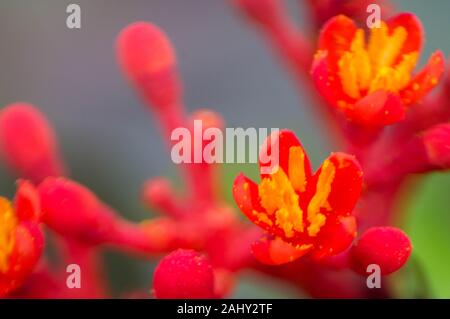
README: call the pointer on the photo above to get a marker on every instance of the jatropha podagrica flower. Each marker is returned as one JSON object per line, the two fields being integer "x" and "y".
{"x": 303, "y": 212}
{"x": 372, "y": 80}
{"x": 21, "y": 239}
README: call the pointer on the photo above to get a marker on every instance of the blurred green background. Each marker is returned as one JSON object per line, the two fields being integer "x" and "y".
{"x": 112, "y": 144}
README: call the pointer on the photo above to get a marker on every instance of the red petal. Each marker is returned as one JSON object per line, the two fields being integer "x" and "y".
{"x": 329, "y": 84}
{"x": 425, "y": 80}
{"x": 276, "y": 251}
{"x": 379, "y": 108}
{"x": 336, "y": 236}
{"x": 283, "y": 140}
{"x": 436, "y": 141}
{"x": 346, "y": 185}
{"x": 336, "y": 37}
{"x": 245, "y": 193}
{"x": 27, "y": 250}
{"x": 26, "y": 202}
{"x": 414, "y": 28}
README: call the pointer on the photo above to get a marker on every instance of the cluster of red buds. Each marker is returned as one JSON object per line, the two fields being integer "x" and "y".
{"x": 319, "y": 230}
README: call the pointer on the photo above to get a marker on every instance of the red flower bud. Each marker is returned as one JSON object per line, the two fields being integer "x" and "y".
{"x": 28, "y": 142}
{"x": 73, "y": 210}
{"x": 148, "y": 60}
{"x": 184, "y": 274}
{"x": 387, "y": 247}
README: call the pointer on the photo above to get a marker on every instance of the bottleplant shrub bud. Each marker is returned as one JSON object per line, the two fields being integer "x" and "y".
{"x": 184, "y": 274}
{"x": 148, "y": 60}
{"x": 28, "y": 142}
{"x": 387, "y": 247}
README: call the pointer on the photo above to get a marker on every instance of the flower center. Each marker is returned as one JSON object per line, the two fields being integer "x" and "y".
{"x": 377, "y": 66}
{"x": 279, "y": 196}
{"x": 8, "y": 224}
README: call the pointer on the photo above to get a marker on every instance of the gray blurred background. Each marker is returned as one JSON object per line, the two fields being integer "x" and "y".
{"x": 109, "y": 140}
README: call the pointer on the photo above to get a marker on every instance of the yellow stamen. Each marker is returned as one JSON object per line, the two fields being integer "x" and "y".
{"x": 365, "y": 69}
{"x": 385, "y": 55}
{"x": 320, "y": 199}
{"x": 279, "y": 197}
{"x": 297, "y": 168}
{"x": 263, "y": 218}
{"x": 8, "y": 224}
{"x": 349, "y": 75}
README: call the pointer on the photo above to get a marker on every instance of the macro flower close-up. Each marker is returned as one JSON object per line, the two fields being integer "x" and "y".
{"x": 229, "y": 149}
{"x": 311, "y": 212}
{"x": 371, "y": 78}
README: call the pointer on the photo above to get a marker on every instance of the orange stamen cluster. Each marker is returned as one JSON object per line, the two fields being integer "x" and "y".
{"x": 8, "y": 224}
{"x": 280, "y": 196}
{"x": 378, "y": 65}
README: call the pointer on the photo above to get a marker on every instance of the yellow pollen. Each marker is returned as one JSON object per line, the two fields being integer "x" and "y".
{"x": 263, "y": 218}
{"x": 320, "y": 199}
{"x": 297, "y": 168}
{"x": 368, "y": 68}
{"x": 8, "y": 224}
{"x": 278, "y": 197}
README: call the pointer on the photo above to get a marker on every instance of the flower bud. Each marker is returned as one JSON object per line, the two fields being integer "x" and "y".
{"x": 387, "y": 247}
{"x": 158, "y": 193}
{"x": 184, "y": 274}
{"x": 73, "y": 210}
{"x": 148, "y": 59}
{"x": 28, "y": 142}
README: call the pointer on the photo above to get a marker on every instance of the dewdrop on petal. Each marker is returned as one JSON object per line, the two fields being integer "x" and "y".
{"x": 148, "y": 60}
{"x": 184, "y": 274}
{"x": 387, "y": 247}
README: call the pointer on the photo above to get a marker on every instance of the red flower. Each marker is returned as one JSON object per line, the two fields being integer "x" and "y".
{"x": 302, "y": 212}
{"x": 21, "y": 239}
{"x": 373, "y": 82}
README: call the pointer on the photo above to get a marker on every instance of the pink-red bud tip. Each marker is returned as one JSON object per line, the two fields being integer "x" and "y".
{"x": 28, "y": 142}
{"x": 148, "y": 59}
{"x": 387, "y": 247}
{"x": 184, "y": 274}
